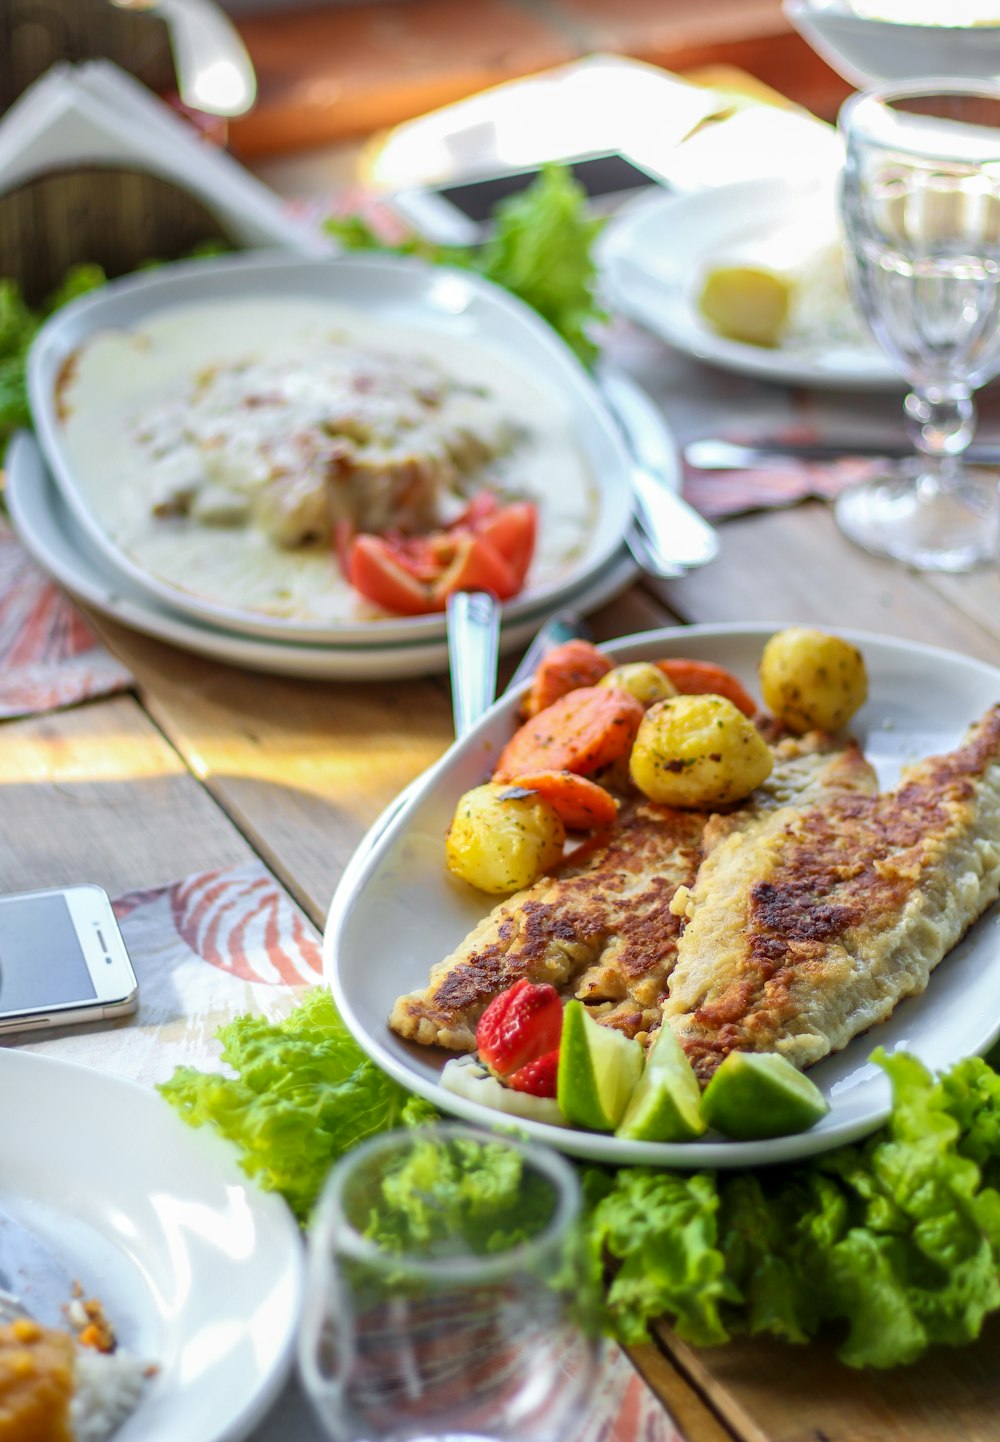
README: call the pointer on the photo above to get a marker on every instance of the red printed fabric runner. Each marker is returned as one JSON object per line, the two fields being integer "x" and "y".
{"x": 221, "y": 943}
{"x": 49, "y": 656}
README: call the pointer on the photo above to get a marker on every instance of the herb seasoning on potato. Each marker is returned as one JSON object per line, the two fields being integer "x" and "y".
{"x": 811, "y": 680}
{"x": 698, "y": 751}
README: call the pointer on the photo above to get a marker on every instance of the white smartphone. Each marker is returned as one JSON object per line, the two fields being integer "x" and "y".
{"x": 62, "y": 960}
{"x": 459, "y": 213}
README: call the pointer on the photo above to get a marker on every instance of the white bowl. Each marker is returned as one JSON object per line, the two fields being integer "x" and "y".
{"x": 868, "y": 51}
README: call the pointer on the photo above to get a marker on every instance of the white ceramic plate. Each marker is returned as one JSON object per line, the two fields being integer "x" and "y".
{"x": 50, "y": 533}
{"x": 655, "y": 252}
{"x": 390, "y": 289}
{"x": 397, "y": 911}
{"x": 199, "y": 1271}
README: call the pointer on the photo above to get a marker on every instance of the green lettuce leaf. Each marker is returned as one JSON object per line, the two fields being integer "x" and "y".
{"x": 541, "y": 250}
{"x": 887, "y": 1247}
{"x": 659, "y": 1230}
{"x": 302, "y": 1093}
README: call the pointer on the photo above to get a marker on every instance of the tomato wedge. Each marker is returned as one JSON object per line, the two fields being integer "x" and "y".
{"x": 512, "y": 531}
{"x": 476, "y": 566}
{"x": 488, "y": 548}
{"x": 375, "y": 572}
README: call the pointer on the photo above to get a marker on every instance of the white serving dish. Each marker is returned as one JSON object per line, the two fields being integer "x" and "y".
{"x": 397, "y": 911}
{"x": 392, "y": 289}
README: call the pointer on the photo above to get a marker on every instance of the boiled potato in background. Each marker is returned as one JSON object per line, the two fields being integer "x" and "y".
{"x": 698, "y": 751}
{"x": 641, "y": 679}
{"x": 502, "y": 838}
{"x": 811, "y": 680}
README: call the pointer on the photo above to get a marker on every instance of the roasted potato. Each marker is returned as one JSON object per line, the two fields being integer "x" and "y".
{"x": 642, "y": 680}
{"x": 698, "y": 752}
{"x": 811, "y": 680}
{"x": 503, "y": 837}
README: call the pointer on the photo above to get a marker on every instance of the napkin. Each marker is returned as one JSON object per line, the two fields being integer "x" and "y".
{"x": 96, "y": 113}
{"x": 49, "y": 656}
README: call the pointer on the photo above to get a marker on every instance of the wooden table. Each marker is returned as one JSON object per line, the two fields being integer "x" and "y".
{"x": 206, "y": 765}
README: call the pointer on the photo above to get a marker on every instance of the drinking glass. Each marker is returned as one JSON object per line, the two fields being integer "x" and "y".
{"x": 920, "y": 203}
{"x": 446, "y": 1297}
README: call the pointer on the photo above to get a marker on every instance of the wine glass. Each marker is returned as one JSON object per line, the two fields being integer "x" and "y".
{"x": 446, "y": 1297}
{"x": 920, "y": 204}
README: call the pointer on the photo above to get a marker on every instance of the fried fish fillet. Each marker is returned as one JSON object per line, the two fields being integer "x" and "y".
{"x": 602, "y": 928}
{"x": 807, "y": 929}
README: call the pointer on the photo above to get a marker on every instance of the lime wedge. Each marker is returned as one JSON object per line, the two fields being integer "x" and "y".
{"x": 598, "y": 1070}
{"x": 666, "y": 1104}
{"x": 761, "y": 1094}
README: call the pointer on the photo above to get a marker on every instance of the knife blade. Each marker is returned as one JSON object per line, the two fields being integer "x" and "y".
{"x": 33, "y": 1274}
{"x": 719, "y": 455}
{"x": 673, "y": 528}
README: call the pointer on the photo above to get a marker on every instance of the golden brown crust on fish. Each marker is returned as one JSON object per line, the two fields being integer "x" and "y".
{"x": 806, "y": 930}
{"x": 603, "y": 928}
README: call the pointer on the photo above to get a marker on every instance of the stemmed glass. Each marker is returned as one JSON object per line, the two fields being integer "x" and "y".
{"x": 445, "y": 1297}
{"x": 920, "y": 204}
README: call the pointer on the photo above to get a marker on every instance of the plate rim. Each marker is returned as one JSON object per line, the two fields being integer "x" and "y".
{"x": 799, "y": 368}
{"x": 600, "y": 1147}
{"x": 274, "y": 657}
{"x": 270, "y": 1373}
{"x": 50, "y": 350}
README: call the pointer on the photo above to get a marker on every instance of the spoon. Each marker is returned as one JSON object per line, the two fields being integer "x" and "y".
{"x": 473, "y": 652}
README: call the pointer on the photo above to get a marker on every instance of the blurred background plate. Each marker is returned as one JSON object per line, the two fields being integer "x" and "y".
{"x": 391, "y": 289}
{"x": 49, "y": 532}
{"x": 656, "y": 250}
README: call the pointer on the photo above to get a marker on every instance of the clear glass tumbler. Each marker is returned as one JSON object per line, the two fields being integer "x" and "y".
{"x": 446, "y": 1298}
{"x": 920, "y": 204}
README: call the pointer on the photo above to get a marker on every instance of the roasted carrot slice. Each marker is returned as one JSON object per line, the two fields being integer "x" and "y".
{"x": 581, "y": 732}
{"x": 565, "y": 668}
{"x": 699, "y": 678}
{"x": 582, "y": 804}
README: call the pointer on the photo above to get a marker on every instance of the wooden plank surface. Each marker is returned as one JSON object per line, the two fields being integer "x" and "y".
{"x": 304, "y": 767}
{"x": 97, "y": 794}
{"x": 770, "y": 1392}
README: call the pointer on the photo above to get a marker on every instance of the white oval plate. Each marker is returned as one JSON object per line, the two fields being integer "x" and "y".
{"x": 397, "y": 911}
{"x": 199, "y": 1272}
{"x": 391, "y": 289}
{"x": 655, "y": 251}
{"x": 51, "y": 535}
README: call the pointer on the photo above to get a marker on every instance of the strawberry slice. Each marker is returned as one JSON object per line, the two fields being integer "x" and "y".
{"x": 538, "y": 1078}
{"x": 519, "y": 1026}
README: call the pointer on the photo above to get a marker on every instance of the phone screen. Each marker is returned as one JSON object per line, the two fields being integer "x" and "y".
{"x": 41, "y": 961}
{"x": 598, "y": 174}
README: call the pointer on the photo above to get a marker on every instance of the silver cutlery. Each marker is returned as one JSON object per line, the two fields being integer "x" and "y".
{"x": 214, "y": 72}
{"x": 473, "y": 652}
{"x": 676, "y": 536}
{"x": 720, "y": 455}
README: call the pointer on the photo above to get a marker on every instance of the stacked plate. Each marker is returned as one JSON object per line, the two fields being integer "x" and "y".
{"x": 53, "y": 506}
